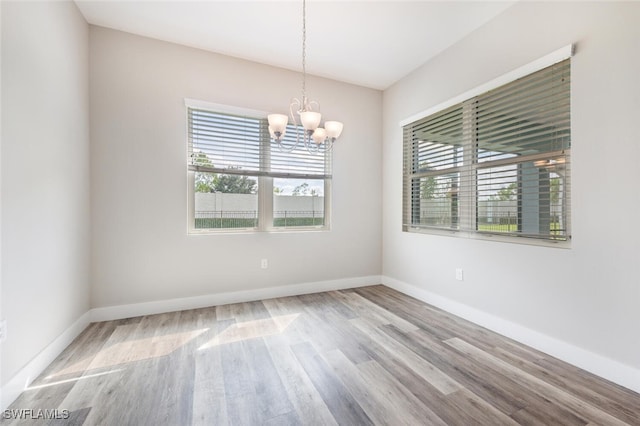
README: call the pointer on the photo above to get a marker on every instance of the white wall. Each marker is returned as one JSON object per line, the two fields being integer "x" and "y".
{"x": 589, "y": 295}
{"x": 140, "y": 247}
{"x": 45, "y": 176}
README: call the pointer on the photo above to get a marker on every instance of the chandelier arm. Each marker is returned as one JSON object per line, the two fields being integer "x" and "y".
{"x": 309, "y": 144}
{"x": 328, "y": 145}
{"x": 284, "y": 148}
{"x": 310, "y": 106}
{"x": 295, "y": 103}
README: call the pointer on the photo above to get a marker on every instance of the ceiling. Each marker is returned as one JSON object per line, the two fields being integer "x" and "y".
{"x": 369, "y": 43}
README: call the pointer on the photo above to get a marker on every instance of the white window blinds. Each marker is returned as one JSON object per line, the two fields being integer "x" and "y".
{"x": 236, "y": 144}
{"x": 497, "y": 163}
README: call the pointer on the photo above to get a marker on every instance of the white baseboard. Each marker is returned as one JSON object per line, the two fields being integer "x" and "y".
{"x": 599, "y": 365}
{"x": 161, "y": 306}
{"x": 28, "y": 373}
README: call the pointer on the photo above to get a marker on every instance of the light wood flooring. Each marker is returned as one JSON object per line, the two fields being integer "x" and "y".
{"x": 356, "y": 357}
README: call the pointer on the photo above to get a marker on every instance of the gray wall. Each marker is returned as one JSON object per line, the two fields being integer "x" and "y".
{"x": 45, "y": 175}
{"x": 587, "y": 295}
{"x": 137, "y": 88}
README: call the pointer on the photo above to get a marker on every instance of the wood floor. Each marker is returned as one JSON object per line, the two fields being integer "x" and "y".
{"x": 356, "y": 357}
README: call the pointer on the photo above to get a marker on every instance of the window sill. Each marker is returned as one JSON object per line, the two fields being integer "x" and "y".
{"x": 491, "y": 237}
{"x": 245, "y": 231}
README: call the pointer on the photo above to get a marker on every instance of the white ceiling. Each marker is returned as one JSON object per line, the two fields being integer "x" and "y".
{"x": 369, "y": 43}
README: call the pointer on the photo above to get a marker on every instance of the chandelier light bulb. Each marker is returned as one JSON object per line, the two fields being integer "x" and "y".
{"x": 310, "y": 119}
{"x": 319, "y": 135}
{"x": 277, "y": 123}
{"x": 334, "y": 129}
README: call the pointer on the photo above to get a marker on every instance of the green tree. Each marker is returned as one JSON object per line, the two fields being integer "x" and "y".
{"x": 428, "y": 188}
{"x": 215, "y": 182}
{"x": 302, "y": 189}
{"x": 508, "y": 193}
{"x": 235, "y": 184}
{"x": 204, "y": 182}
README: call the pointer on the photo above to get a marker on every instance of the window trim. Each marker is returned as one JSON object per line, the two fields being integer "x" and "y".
{"x": 265, "y": 185}
{"x": 548, "y": 60}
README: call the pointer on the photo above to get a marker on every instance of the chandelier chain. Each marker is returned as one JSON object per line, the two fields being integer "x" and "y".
{"x": 304, "y": 53}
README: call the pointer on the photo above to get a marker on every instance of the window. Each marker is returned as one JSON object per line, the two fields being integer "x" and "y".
{"x": 494, "y": 164}
{"x": 240, "y": 180}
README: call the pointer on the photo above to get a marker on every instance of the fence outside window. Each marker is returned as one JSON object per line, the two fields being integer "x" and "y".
{"x": 249, "y": 219}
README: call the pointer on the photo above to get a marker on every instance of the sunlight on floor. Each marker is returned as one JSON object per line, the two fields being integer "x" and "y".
{"x": 251, "y": 330}
{"x": 134, "y": 350}
{"x": 61, "y": 382}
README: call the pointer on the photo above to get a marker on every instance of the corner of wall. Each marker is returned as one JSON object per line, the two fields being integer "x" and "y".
{"x": 19, "y": 382}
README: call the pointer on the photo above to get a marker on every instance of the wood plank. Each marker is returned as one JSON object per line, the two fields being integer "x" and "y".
{"x": 209, "y": 397}
{"x": 323, "y": 303}
{"x": 544, "y": 389}
{"x": 609, "y": 397}
{"x": 337, "y": 398}
{"x": 410, "y": 409}
{"x": 374, "y": 399}
{"x": 351, "y": 341}
{"x": 305, "y": 398}
{"x": 239, "y": 392}
{"x": 500, "y": 391}
{"x": 271, "y": 397}
{"x": 425, "y": 369}
{"x": 308, "y": 403}
{"x": 547, "y": 414}
{"x": 455, "y": 409}
{"x": 372, "y": 312}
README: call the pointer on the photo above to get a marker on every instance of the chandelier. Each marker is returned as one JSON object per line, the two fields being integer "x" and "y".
{"x": 316, "y": 139}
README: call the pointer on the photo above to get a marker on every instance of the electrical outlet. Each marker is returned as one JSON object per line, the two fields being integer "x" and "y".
{"x": 264, "y": 263}
{"x": 459, "y": 275}
{"x": 3, "y": 330}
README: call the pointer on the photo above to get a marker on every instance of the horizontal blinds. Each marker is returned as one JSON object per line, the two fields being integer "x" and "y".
{"x": 438, "y": 143}
{"x": 224, "y": 143}
{"x": 528, "y": 116}
{"x": 528, "y": 198}
{"x": 496, "y": 163}
{"x": 235, "y": 144}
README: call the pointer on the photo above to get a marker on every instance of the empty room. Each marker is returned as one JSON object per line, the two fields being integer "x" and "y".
{"x": 309, "y": 212}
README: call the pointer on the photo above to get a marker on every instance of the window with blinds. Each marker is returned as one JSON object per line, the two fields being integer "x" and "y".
{"x": 497, "y": 163}
{"x": 238, "y": 179}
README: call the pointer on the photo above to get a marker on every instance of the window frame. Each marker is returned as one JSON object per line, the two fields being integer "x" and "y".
{"x": 467, "y": 220}
{"x": 265, "y": 192}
